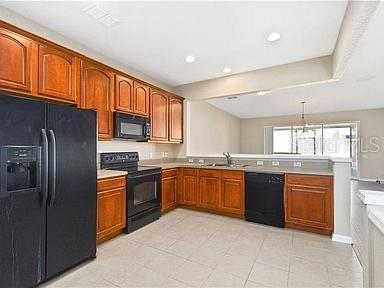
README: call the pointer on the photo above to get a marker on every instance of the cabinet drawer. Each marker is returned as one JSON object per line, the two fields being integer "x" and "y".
{"x": 209, "y": 173}
{"x": 309, "y": 180}
{"x": 110, "y": 183}
{"x": 169, "y": 173}
{"x": 233, "y": 174}
{"x": 190, "y": 171}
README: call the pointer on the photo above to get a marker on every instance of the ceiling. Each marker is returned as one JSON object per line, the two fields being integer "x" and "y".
{"x": 155, "y": 37}
{"x": 360, "y": 88}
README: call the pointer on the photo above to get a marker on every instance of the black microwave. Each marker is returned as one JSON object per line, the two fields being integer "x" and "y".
{"x": 132, "y": 127}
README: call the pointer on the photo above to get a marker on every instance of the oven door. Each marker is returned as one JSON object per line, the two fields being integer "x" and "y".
{"x": 131, "y": 127}
{"x": 144, "y": 192}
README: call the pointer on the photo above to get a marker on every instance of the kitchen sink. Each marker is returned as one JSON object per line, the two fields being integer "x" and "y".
{"x": 226, "y": 165}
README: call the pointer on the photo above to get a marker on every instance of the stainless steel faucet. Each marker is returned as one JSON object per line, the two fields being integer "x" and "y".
{"x": 229, "y": 158}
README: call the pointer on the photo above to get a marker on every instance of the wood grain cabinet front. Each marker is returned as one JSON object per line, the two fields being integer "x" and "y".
{"x": 188, "y": 195}
{"x": 58, "y": 75}
{"x": 176, "y": 119}
{"x": 16, "y": 61}
{"x": 169, "y": 186}
{"x": 232, "y": 192}
{"x": 209, "y": 189}
{"x": 159, "y": 116}
{"x": 111, "y": 208}
{"x": 124, "y": 94}
{"x": 141, "y": 99}
{"x": 309, "y": 203}
{"x": 97, "y": 93}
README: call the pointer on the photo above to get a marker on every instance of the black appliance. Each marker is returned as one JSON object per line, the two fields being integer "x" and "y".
{"x": 132, "y": 127}
{"x": 143, "y": 188}
{"x": 48, "y": 176}
{"x": 264, "y": 198}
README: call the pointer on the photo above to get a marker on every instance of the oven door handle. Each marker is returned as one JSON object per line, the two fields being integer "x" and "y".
{"x": 143, "y": 175}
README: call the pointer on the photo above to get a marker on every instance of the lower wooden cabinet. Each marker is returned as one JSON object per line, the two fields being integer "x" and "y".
{"x": 309, "y": 203}
{"x": 188, "y": 193}
{"x": 232, "y": 192}
{"x": 209, "y": 189}
{"x": 111, "y": 208}
{"x": 169, "y": 185}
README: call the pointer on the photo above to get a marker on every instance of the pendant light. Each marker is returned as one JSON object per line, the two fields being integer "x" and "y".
{"x": 303, "y": 123}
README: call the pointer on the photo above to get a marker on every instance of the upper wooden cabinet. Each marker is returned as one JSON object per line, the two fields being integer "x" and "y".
{"x": 124, "y": 94}
{"x": 141, "y": 99}
{"x": 159, "y": 116}
{"x": 309, "y": 202}
{"x": 131, "y": 97}
{"x": 15, "y": 61}
{"x": 175, "y": 119}
{"x": 97, "y": 93}
{"x": 57, "y": 74}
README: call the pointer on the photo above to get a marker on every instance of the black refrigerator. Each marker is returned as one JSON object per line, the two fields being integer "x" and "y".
{"x": 48, "y": 179}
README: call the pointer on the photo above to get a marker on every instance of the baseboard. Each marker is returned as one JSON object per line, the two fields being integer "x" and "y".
{"x": 342, "y": 238}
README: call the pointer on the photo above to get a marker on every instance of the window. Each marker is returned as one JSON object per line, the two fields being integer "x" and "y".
{"x": 323, "y": 139}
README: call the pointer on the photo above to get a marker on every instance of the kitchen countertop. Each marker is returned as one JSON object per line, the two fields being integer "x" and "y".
{"x": 250, "y": 168}
{"x": 102, "y": 174}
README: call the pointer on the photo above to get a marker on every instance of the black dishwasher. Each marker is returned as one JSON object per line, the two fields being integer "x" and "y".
{"x": 264, "y": 198}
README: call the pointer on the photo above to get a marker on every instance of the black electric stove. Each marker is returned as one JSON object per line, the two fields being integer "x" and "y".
{"x": 143, "y": 188}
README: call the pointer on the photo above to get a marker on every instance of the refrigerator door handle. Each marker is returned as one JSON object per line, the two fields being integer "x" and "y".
{"x": 45, "y": 156}
{"x": 53, "y": 171}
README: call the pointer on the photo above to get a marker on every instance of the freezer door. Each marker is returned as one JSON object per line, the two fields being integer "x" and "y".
{"x": 71, "y": 212}
{"x": 22, "y": 209}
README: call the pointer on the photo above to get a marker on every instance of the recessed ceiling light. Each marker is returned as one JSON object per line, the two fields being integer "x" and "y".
{"x": 108, "y": 20}
{"x": 95, "y": 11}
{"x": 261, "y": 92}
{"x": 227, "y": 70}
{"x": 274, "y": 36}
{"x": 190, "y": 59}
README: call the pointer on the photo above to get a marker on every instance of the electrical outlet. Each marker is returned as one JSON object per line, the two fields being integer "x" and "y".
{"x": 296, "y": 164}
{"x": 150, "y": 155}
{"x": 259, "y": 162}
{"x": 275, "y": 163}
{"x": 201, "y": 160}
{"x": 190, "y": 160}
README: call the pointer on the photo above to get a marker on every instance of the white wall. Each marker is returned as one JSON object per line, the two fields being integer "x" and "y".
{"x": 210, "y": 130}
{"x": 371, "y": 129}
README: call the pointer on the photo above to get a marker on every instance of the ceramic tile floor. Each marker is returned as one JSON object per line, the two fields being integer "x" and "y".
{"x": 187, "y": 248}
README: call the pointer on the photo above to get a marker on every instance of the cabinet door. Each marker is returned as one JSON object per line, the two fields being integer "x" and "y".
{"x": 189, "y": 190}
{"x": 111, "y": 212}
{"x": 209, "y": 192}
{"x": 232, "y": 195}
{"x": 97, "y": 93}
{"x": 175, "y": 119}
{"x": 124, "y": 94}
{"x": 309, "y": 203}
{"x": 159, "y": 116}
{"x": 141, "y": 99}
{"x": 15, "y": 61}
{"x": 168, "y": 190}
{"x": 57, "y": 74}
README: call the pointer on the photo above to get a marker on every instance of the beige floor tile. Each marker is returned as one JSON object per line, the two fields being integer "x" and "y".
{"x": 237, "y": 265}
{"x": 273, "y": 258}
{"x": 251, "y": 284}
{"x": 177, "y": 231}
{"x": 309, "y": 269}
{"x": 350, "y": 263}
{"x": 170, "y": 282}
{"x": 145, "y": 254}
{"x": 161, "y": 242}
{"x": 208, "y": 256}
{"x": 144, "y": 277}
{"x": 141, "y": 235}
{"x": 182, "y": 248}
{"x": 192, "y": 274}
{"x": 165, "y": 263}
{"x": 222, "y": 279}
{"x": 342, "y": 278}
{"x": 296, "y": 280}
{"x": 268, "y": 276}
{"x": 196, "y": 238}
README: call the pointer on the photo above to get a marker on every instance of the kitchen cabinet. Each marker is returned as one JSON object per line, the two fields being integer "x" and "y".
{"x": 159, "y": 116}
{"x": 111, "y": 208}
{"x": 97, "y": 93}
{"x": 309, "y": 203}
{"x": 175, "y": 119}
{"x": 58, "y": 75}
{"x": 232, "y": 192}
{"x": 189, "y": 187}
{"x": 131, "y": 96}
{"x": 169, "y": 184}
{"x": 124, "y": 94}
{"x": 209, "y": 189}
{"x": 17, "y": 59}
